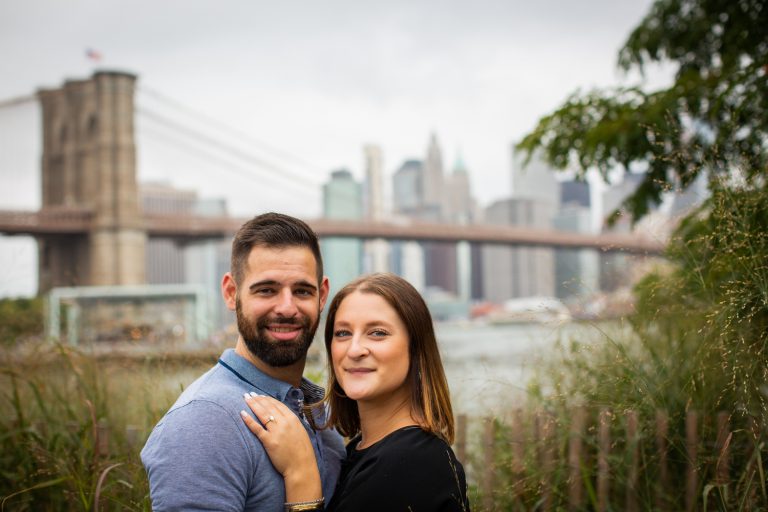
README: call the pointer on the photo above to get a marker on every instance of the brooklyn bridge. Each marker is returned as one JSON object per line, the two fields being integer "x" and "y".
{"x": 91, "y": 229}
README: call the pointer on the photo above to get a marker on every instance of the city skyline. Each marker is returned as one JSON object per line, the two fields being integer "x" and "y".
{"x": 478, "y": 75}
{"x": 319, "y": 82}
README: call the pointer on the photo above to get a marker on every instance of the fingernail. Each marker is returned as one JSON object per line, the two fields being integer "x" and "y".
{"x": 254, "y": 394}
{"x": 246, "y": 396}
{"x": 243, "y": 414}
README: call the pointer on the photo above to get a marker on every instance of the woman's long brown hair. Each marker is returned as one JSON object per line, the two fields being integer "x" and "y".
{"x": 431, "y": 398}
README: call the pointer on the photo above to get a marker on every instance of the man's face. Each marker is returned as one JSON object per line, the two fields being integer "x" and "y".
{"x": 278, "y": 304}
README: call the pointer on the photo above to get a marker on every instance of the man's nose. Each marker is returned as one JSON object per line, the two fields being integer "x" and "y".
{"x": 286, "y": 304}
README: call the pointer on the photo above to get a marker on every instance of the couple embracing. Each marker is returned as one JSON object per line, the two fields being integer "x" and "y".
{"x": 253, "y": 434}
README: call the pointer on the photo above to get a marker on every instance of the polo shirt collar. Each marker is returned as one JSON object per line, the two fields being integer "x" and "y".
{"x": 266, "y": 384}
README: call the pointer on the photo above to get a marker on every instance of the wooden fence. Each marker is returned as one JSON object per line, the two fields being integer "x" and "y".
{"x": 600, "y": 460}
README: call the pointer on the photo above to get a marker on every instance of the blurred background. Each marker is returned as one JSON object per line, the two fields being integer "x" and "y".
{"x": 576, "y": 188}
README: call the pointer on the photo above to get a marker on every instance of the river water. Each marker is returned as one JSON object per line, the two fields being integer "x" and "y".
{"x": 489, "y": 367}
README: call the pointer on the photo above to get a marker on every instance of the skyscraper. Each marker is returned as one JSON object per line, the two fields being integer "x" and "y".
{"x": 407, "y": 188}
{"x": 536, "y": 180}
{"x": 576, "y": 270}
{"x": 407, "y": 197}
{"x": 202, "y": 262}
{"x": 513, "y": 272}
{"x": 440, "y": 259}
{"x": 459, "y": 205}
{"x": 433, "y": 182}
{"x": 342, "y": 257}
{"x": 374, "y": 182}
{"x": 614, "y": 267}
{"x": 376, "y": 251}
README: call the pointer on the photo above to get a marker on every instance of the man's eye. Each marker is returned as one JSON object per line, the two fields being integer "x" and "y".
{"x": 303, "y": 292}
{"x": 264, "y": 291}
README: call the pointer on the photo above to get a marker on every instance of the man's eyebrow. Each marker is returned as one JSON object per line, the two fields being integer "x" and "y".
{"x": 306, "y": 284}
{"x": 265, "y": 282}
{"x": 272, "y": 282}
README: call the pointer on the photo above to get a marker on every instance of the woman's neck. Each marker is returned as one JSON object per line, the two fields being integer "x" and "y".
{"x": 377, "y": 420}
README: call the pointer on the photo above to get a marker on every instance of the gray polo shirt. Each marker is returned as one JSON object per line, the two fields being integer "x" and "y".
{"x": 201, "y": 455}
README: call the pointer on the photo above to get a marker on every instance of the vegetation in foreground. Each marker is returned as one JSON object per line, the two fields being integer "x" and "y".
{"x": 698, "y": 355}
{"x": 72, "y": 426}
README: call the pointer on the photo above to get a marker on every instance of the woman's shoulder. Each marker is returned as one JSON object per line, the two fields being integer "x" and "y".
{"x": 416, "y": 436}
{"x": 410, "y": 469}
{"x": 417, "y": 446}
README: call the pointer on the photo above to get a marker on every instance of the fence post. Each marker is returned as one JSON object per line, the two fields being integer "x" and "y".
{"x": 517, "y": 452}
{"x": 722, "y": 469}
{"x": 753, "y": 452}
{"x": 603, "y": 449}
{"x": 489, "y": 434}
{"x": 691, "y": 448}
{"x": 546, "y": 426}
{"x": 662, "y": 431}
{"x": 461, "y": 438}
{"x": 633, "y": 442}
{"x": 576, "y": 434}
{"x": 131, "y": 435}
{"x": 102, "y": 438}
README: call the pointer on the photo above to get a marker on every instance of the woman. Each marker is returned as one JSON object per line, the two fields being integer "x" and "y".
{"x": 388, "y": 393}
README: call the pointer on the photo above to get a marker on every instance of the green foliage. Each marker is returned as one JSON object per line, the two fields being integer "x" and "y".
{"x": 701, "y": 327}
{"x": 698, "y": 342}
{"x": 20, "y": 318}
{"x": 714, "y": 116}
{"x": 713, "y": 305}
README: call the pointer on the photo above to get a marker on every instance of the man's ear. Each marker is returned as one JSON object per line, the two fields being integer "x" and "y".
{"x": 325, "y": 288}
{"x": 229, "y": 291}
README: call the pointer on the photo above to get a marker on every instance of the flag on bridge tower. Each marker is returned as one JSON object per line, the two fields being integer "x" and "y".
{"x": 93, "y": 55}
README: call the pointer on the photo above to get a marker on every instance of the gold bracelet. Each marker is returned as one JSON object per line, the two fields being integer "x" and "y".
{"x": 305, "y": 505}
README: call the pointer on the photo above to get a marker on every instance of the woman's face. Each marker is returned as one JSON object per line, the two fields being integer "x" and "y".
{"x": 369, "y": 349}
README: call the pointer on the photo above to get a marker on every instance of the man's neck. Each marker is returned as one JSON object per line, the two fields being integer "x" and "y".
{"x": 290, "y": 374}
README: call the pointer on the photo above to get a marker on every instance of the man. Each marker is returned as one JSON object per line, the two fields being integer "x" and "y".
{"x": 201, "y": 455}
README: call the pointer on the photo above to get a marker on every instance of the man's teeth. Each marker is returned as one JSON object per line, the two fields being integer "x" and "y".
{"x": 283, "y": 329}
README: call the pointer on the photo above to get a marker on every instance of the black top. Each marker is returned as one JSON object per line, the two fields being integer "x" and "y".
{"x": 409, "y": 470}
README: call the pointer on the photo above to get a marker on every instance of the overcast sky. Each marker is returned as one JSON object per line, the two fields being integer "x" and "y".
{"x": 316, "y": 80}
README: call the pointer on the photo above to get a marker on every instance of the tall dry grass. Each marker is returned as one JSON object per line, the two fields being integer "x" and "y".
{"x": 72, "y": 425}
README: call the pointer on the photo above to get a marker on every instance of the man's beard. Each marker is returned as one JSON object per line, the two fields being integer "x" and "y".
{"x": 273, "y": 352}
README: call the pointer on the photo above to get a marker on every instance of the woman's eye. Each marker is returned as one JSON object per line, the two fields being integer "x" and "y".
{"x": 341, "y": 333}
{"x": 378, "y": 333}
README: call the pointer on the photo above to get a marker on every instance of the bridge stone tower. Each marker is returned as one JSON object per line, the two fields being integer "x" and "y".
{"x": 89, "y": 163}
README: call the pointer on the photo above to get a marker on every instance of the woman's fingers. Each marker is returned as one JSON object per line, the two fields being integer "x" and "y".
{"x": 267, "y": 410}
{"x": 282, "y": 435}
{"x": 259, "y": 408}
{"x": 252, "y": 424}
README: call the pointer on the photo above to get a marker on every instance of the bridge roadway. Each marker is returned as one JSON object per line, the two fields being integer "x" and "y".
{"x": 74, "y": 221}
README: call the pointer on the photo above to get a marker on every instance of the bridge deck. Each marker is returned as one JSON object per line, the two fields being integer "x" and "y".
{"x": 59, "y": 221}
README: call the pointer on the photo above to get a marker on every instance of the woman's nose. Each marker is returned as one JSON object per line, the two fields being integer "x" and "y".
{"x": 357, "y": 348}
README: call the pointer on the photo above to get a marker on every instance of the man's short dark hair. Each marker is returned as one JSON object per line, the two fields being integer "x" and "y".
{"x": 272, "y": 230}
